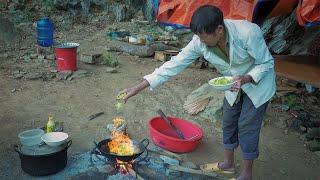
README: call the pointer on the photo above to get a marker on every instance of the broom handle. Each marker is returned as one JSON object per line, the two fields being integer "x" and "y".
{"x": 178, "y": 132}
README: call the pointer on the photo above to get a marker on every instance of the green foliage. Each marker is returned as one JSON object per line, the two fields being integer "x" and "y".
{"x": 109, "y": 60}
{"x": 291, "y": 101}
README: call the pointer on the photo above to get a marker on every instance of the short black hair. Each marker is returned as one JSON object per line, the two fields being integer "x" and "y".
{"x": 206, "y": 19}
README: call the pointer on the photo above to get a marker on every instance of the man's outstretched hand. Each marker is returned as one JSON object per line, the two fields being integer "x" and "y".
{"x": 239, "y": 81}
{"x": 129, "y": 93}
{"x": 134, "y": 90}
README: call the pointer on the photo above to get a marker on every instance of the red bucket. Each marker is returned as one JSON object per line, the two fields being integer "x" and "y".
{"x": 66, "y": 56}
{"x": 164, "y": 136}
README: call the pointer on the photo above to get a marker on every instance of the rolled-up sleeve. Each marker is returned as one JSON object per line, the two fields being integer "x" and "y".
{"x": 176, "y": 64}
{"x": 258, "y": 49}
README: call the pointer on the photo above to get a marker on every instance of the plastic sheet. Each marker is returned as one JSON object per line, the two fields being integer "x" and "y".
{"x": 179, "y": 12}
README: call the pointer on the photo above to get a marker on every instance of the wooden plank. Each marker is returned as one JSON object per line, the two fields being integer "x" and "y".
{"x": 192, "y": 171}
{"x": 305, "y": 69}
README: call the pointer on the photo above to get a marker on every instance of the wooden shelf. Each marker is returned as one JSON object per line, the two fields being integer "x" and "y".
{"x": 305, "y": 69}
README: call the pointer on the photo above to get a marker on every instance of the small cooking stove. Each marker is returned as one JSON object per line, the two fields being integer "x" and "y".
{"x": 123, "y": 167}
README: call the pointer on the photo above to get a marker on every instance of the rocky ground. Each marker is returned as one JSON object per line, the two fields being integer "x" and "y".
{"x": 31, "y": 90}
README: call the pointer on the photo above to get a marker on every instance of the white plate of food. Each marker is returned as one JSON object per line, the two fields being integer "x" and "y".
{"x": 223, "y": 83}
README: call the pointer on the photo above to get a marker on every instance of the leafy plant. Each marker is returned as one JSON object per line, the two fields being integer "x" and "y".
{"x": 291, "y": 101}
{"x": 109, "y": 60}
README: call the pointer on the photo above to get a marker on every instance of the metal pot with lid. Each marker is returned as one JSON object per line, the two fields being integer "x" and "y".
{"x": 40, "y": 160}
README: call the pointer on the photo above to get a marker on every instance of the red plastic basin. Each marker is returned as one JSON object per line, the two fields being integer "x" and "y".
{"x": 164, "y": 136}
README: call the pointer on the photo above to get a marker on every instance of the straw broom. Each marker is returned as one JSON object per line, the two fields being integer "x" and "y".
{"x": 194, "y": 105}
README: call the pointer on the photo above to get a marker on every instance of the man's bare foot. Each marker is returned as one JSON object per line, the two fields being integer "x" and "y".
{"x": 245, "y": 176}
{"x": 225, "y": 165}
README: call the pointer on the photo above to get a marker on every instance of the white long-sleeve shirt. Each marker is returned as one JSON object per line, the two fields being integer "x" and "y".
{"x": 248, "y": 54}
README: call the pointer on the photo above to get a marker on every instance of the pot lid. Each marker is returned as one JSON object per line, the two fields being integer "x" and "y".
{"x": 42, "y": 149}
{"x": 67, "y": 45}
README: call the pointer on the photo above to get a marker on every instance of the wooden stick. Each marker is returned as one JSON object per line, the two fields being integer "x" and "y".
{"x": 166, "y": 153}
{"x": 191, "y": 171}
{"x": 134, "y": 174}
{"x": 172, "y": 154}
{"x": 287, "y": 89}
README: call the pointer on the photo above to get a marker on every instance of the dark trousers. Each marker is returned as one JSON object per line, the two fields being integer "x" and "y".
{"x": 241, "y": 124}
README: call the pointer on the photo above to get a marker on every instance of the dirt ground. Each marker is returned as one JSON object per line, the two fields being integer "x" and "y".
{"x": 282, "y": 155}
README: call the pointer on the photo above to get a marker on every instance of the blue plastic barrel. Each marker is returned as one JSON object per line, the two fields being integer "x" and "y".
{"x": 45, "y": 32}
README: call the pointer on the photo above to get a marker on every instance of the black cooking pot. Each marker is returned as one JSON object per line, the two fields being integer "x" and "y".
{"x": 139, "y": 147}
{"x": 43, "y": 160}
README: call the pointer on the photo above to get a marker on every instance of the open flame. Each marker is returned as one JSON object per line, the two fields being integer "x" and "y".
{"x": 123, "y": 167}
{"x": 120, "y": 143}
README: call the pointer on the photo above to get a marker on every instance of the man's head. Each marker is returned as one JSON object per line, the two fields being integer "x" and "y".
{"x": 207, "y": 23}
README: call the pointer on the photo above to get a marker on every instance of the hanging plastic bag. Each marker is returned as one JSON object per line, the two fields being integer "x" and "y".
{"x": 308, "y": 12}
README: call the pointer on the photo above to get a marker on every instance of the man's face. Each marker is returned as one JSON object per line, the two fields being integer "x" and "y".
{"x": 213, "y": 38}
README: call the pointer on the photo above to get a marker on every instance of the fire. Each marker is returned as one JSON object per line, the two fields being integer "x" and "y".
{"x": 123, "y": 167}
{"x": 120, "y": 143}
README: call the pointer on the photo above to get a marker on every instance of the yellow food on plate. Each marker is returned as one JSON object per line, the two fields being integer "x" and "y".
{"x": 222, "y": 81}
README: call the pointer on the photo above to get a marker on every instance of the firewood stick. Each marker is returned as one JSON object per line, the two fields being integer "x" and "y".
{"x": 134, "y": 174}
{"x": 191, "y": 171}
{"x": 167, "y": 153}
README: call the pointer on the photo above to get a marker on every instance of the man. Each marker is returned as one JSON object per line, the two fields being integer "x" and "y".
{"x": 236, "y": 48}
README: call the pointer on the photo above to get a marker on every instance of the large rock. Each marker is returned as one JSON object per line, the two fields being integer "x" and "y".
{"x": 216, "y": 101}
{"x": 90, "y": 57}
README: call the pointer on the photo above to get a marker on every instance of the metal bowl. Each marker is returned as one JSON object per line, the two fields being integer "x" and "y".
{"x": 31, "y": 137}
